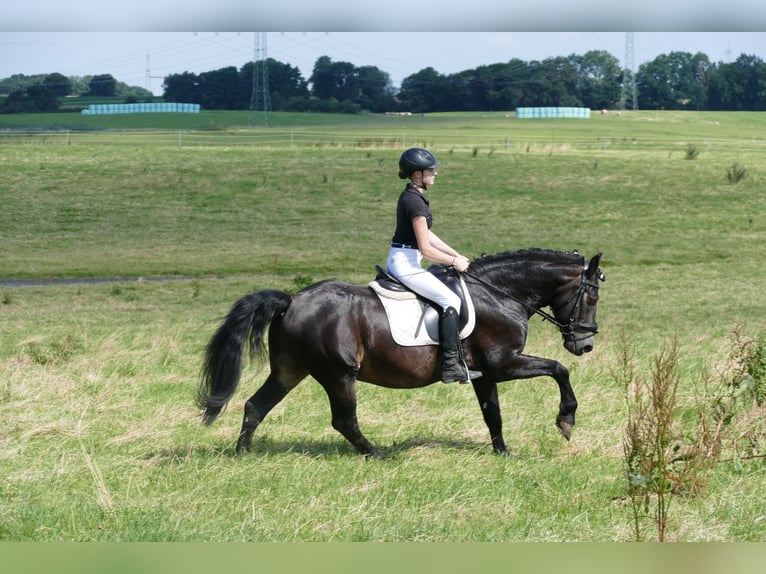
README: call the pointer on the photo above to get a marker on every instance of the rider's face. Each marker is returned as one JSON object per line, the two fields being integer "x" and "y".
{"x": 429, "y": 176}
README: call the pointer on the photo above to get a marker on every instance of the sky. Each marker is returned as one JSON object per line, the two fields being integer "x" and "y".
{"x": 145, "y": 58}
{"x": 142, "y": 41}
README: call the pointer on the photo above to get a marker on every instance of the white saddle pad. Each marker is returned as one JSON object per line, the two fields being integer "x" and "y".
{"x": 414, "y": 322}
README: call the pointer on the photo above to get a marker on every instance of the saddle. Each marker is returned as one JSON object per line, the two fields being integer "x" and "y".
{"x": 414, "y": 320}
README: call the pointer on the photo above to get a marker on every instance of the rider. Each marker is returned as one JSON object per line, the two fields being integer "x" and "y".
{"x": 412, "y": 241}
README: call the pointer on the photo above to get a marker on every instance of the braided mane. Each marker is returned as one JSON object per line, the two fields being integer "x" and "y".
{"x": 490, "y": 262}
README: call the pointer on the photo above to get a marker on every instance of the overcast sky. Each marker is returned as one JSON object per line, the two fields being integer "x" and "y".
{"x": 148, "y": 39}
{"x": 144, "y": 58}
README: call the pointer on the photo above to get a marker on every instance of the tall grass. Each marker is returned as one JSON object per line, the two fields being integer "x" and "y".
{"x": 97, "y": 380}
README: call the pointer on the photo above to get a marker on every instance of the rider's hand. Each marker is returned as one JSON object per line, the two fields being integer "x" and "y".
{"x": 461, "y": 263}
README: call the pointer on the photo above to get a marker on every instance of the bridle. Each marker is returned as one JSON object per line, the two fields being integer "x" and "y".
{"x": 569, "y": 329}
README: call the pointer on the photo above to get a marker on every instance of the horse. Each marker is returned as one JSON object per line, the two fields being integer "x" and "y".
{"x": 338, "y": 333}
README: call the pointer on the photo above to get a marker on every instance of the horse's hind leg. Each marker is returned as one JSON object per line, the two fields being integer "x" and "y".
{"x": 258, "y": 406}
{"x": 342, "y": 395}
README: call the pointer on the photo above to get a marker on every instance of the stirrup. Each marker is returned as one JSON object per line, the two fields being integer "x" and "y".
{"x": 466, "y": 376}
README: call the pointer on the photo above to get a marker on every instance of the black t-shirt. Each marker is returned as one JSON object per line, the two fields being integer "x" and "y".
{"x": 411, "y": 204}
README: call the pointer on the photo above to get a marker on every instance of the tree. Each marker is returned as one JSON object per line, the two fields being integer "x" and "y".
{"x": 553, "y": 82}
{"x": 599, "y": 79}
{"x": 740, "y": 85}
{"x": 37, "y": 98}
{"x": 425, "y": 91}
{"x": 376, "y": 93}
{"x": 18, "y": 83}
{"x": 102, "y": 85}
{"x": 674, "y": 81}
{"x": 79, "y": 84}
{"x": 183, "y": 88}
{"x": 499, "y": 86}
{"x": 334, "y": 80}
{"x": 59, "y": 84}
{"x": 285, "y": 82}
{"x": 222, "y": 90}
{"x": 45, "y": 99}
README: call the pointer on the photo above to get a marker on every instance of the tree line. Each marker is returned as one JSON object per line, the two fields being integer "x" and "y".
{"x": 43, "y": 92}
{"x": 674, "y": 81}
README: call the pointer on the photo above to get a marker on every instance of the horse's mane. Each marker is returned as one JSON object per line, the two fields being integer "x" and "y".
{"x": 490, "y": 262}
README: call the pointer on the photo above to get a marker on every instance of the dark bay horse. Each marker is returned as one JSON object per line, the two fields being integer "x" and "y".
{"x": 338, "y": 333}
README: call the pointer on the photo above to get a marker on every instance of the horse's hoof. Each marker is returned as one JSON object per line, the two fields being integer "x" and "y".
{"x": 244, "y": 443}
{"x": 565, "y": 428}
{"x": 374, "y": 453}
{"x": 506, "y": 454}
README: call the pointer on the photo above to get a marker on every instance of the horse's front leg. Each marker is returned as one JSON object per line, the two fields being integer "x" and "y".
{"x": 486, "y": 393}
{"x": 565, "y": 420}
{"x": 527, "y": 367}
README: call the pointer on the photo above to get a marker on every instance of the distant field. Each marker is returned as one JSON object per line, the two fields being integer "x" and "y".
{"x": 494, "y": 131}
{"x": 97, "y": 380}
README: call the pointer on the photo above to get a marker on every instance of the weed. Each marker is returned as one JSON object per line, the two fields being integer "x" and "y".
{"x": 302, "y": 281}
{"x": 659, "y": 461}
{"x": 692, "y": 152}
{"x": 214, "y": 126}
{"x": 196, "y": 288}
{"x": 52, "y": 353}
{"x": 731, "y": 403}
{"x": 736, "y": 173}
{"x": 649, "y": 435}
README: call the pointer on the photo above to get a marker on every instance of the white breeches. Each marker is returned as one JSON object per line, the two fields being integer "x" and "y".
{"x": 405, "y": 265}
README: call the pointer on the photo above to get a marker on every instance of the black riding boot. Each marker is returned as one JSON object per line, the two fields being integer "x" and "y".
{"x": 454, "y": 369}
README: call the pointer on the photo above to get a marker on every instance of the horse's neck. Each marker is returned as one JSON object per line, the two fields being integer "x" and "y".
{"x": 537, "y": 285}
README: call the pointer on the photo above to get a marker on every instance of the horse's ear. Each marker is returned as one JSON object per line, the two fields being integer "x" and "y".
{"x": 593, "y": 269}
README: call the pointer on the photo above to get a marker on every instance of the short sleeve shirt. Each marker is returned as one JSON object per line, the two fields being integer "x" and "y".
{"x": 411, "y": 204}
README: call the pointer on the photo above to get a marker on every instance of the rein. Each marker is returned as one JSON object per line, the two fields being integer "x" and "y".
{"x": 567, "y": 329}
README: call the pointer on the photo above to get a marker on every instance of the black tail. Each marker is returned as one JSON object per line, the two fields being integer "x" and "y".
{"x": 222, "y": 367}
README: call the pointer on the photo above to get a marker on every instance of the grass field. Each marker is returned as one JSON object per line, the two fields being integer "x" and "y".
{"x": 101, "y": 440}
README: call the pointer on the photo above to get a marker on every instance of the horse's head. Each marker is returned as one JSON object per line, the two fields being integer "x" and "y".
{"x": 577, "y": 313}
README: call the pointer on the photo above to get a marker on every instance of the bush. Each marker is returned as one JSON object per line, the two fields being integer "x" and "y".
{"x": 736, "y": 173}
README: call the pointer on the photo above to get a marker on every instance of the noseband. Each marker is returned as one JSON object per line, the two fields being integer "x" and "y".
{"x": 569, "y": 329}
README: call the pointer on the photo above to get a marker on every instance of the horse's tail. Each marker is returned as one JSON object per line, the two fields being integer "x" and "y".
{"x": 222, "y": 367}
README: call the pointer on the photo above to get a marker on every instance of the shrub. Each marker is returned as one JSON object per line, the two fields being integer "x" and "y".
{"x": 736, "y": 173}
{"x": 649, "y": 435}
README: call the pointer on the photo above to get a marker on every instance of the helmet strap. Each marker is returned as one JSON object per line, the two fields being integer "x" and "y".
{"x": 419, "y": 183}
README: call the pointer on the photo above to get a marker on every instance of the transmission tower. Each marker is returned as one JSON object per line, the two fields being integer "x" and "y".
{"x": 259, "y": 97}
{"x": 628, "y": 94}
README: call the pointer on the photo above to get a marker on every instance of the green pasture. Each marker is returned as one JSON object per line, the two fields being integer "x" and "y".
{"x": 122, "y": 248}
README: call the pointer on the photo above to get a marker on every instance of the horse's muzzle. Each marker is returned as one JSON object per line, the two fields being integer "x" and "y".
{"x": 580, "y": 343}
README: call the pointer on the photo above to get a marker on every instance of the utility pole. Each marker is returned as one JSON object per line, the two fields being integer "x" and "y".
{"x": 149, "y": 76}
{"x": 259, "y": 96}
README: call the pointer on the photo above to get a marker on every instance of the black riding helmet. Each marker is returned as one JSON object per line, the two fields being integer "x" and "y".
{"x": 416, "y": 159}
